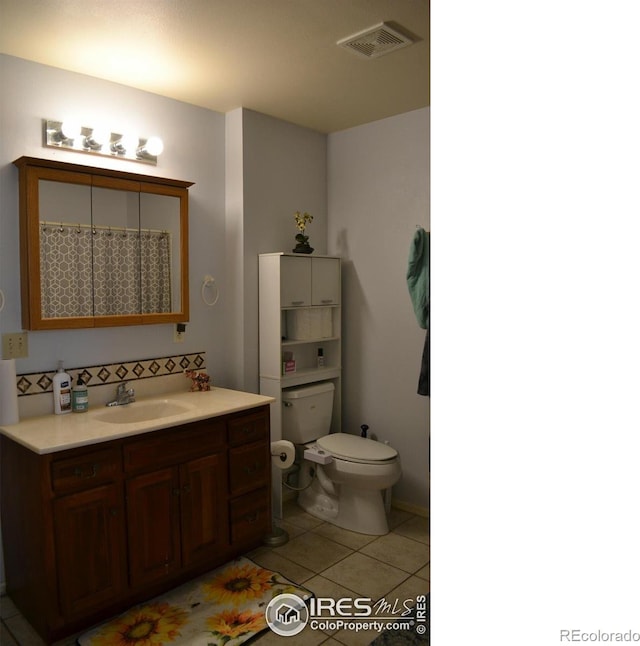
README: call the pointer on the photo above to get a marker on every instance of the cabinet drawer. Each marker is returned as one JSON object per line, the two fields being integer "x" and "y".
{"x": 249, "y": 468}
{"x": 85, "y": 470}
{"x": 175, "y": 445}
{"x": 248, "y": 429}
{"x": 250, "y": 516}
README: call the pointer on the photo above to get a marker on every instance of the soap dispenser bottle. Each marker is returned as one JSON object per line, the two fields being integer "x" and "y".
{"x": 80, "y": 397}
{"x": 61, "y": 391}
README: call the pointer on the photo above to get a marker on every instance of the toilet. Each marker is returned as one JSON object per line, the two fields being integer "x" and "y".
{"x": 342, "y": 476}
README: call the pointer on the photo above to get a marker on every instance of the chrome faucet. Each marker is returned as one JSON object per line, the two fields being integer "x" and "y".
{"x": 123, "y": 396}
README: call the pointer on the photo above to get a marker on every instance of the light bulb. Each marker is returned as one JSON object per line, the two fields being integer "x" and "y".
{"x": 150, "y": 149}
{"x": 154, "y": 146}
{"x": 70, "y": 129}
{"x": 127, "y": 144}
{"x": 98, "y": 137}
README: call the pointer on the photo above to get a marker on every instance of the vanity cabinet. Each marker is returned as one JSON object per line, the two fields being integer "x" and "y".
{"x": 90, "y": 531}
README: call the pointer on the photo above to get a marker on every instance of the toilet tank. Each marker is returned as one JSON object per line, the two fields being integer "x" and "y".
{"x": 306, "y": 412}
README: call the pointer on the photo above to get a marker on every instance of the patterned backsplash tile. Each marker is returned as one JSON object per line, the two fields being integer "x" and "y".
{"x": 36, "y": 383}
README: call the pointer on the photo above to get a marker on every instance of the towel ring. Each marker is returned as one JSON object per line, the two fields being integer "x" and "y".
{"x": 209, "y": 281}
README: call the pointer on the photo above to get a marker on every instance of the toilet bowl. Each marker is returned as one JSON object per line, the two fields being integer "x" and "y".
{"x": 344, "y": 480}
{"x": 348, "y": 490}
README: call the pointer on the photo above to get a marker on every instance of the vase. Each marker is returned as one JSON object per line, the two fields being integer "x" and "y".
{"x": 303, "y": 247}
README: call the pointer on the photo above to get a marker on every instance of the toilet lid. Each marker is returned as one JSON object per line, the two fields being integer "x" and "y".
{"x": 356, "y": 448}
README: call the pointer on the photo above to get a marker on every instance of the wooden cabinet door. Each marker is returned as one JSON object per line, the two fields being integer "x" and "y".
{"x": 153, "y": 517}
{"x": 325, "y": 281}
{"x": 90, "y": 549}
{"x": 295, "y": 281}
{"x": 203, "y": 508}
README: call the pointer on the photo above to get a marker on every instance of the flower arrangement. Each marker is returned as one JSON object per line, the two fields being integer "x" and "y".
{"x": 302, "y": 240}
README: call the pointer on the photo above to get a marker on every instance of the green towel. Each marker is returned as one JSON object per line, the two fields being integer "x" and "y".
{"x": 418, "y": 276}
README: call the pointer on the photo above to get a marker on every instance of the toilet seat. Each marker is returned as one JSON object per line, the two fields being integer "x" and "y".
{"x": 354, "y": 448}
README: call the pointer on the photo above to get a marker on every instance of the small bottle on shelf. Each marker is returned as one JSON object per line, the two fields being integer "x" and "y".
{"x": 288, "y": 363}
{"x": 79, "y": 397}
{"x": 320, "y": 358}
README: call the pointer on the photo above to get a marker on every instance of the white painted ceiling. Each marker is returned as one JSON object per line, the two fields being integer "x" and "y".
{"x": 278, "y": 57}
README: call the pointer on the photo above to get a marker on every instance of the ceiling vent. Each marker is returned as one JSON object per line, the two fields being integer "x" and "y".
{"x": 375, "y": 41}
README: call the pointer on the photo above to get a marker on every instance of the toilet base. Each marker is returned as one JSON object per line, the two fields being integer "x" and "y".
{"x": 318, "y": 503}
{"x": 362, "y": 511}
{"x": 357, "y": 510}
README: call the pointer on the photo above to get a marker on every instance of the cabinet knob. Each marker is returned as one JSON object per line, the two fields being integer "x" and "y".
{"x": 251, "y": 518}
{"x": 252, "y": 469}
{"x": 187, "y": 488}
{"x": 326, "y": 301}
{"x": 297, "y": 302}
{"x": 175, "y": 491}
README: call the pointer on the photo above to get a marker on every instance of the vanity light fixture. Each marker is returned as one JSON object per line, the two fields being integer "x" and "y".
{"x": 67, "y": 131}
{"x": 124, "y": 145}
{"x": 69, "y": 135}
{"x": 96, "y": 139}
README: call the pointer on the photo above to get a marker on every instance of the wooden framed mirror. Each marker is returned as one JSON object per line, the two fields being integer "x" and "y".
{"x": 101, "y": 248}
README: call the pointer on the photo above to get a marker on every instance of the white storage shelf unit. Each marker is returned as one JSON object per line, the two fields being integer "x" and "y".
{"x": 300, "y": 312}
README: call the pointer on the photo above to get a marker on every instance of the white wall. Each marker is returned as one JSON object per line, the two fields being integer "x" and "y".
{"x": 378, "y": 194}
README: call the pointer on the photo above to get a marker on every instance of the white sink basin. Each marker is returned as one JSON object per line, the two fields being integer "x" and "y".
{"x": 143, "y": 411}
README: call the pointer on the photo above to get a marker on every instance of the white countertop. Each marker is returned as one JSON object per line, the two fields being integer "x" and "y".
{"x": 51, "y": 433}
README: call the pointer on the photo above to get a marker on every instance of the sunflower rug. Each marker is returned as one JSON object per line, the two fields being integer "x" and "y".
{"x": 223, "y": 607}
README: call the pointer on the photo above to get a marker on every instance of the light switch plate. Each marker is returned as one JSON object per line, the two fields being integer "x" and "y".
{"x": 15, "y": 345}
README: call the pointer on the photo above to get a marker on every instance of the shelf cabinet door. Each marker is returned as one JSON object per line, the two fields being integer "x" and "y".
{"x": 90, "y": 544}
{"x": 153, "y": 516}
{"x": 203, "y": 509}
{"x": 325, "y": 281}
{"x": 295, "y": 281}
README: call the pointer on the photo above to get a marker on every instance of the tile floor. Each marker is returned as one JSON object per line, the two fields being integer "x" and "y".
{"x": 330, "y": 561}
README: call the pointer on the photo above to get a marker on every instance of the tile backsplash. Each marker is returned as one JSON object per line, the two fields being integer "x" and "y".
{"x": 37, "y": 383}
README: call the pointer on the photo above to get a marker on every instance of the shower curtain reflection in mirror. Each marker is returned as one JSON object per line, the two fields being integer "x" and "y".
{"x": 88, "y": 270}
